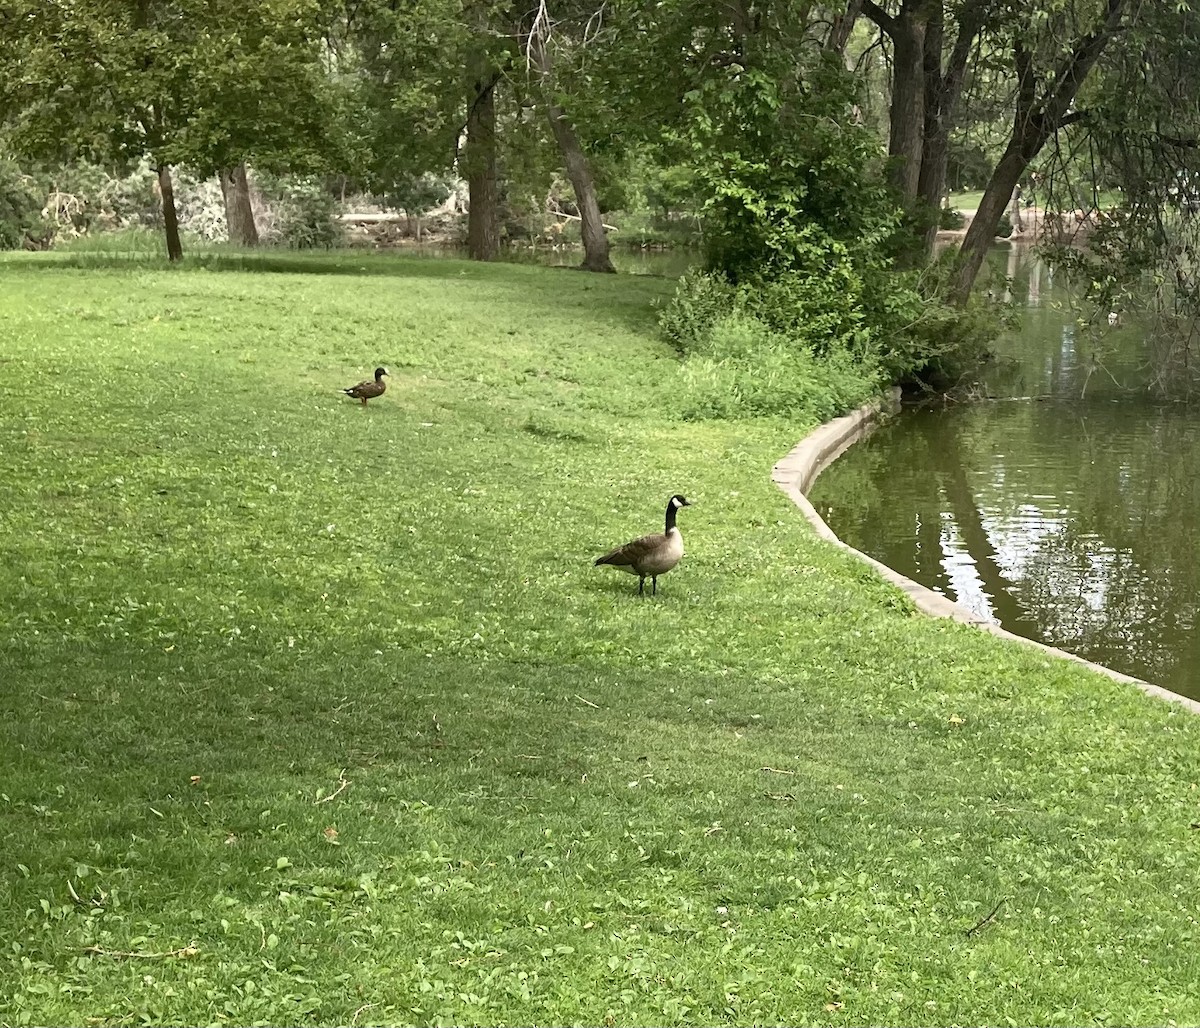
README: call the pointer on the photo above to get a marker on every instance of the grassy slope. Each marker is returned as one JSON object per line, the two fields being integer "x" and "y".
{"x": 557, "y": 809}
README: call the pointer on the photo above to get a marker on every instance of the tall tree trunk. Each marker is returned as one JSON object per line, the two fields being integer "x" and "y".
{"x": 935, "y": 131}
{"x": 595, "y": 239}
{"x": 907, "y": 31}
{"x": 483, "y": 180}
{"x": 907, "y": 120}
{"x": 943, "y": 90}
{"x": 239, "y": 213}
{"x": 579, "y": 171}
{"x": 170, "y": 218}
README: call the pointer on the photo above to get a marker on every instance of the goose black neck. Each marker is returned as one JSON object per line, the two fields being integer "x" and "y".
{"x": 671, "y": 511}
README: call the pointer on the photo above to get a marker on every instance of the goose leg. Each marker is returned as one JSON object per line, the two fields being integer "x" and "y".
{"x": 654, "y": 584}
{"x": 641, "y": 584}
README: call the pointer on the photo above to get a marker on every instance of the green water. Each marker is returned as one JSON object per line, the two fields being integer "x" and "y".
{"x": 1072, "y": 519}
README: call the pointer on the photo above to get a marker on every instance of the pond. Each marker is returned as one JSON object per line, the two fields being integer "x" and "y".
{"x": 1072, "y": 518}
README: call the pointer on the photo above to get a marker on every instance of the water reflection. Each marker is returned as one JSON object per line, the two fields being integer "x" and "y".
{"x": 1069, "y": 520}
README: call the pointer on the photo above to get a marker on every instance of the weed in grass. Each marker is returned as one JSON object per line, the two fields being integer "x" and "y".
{"x": 318, "y": 715}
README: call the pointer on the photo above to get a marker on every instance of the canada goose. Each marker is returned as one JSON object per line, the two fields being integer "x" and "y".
{"x": 369, "y": 389}
{"x": 651, "y": 555}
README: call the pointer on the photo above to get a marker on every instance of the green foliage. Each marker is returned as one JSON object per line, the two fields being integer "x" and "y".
{"x": 741, "y": 369}
{"x": 415, "y": 194}
{"x": 21, "y": 201}
{"x": 801, "y": 230}
{"x": 306, "y": 214}
{"x": 944, "y": 345}
{"x": 671, "y": 188}
{"x": 134, "y": 241}
{"x": 790, "y": 183}
{"x": 97, "y": 198}
{"x": 701, "y": 299}
{"x": 950, "y": 219}
{"x": 743, "y": 359}
{"x": 203, "y": 83}
{"x": 404, "y": 73}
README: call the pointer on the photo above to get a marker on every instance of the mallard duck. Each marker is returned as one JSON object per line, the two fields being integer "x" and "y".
{"x": 651, "y": 555}
{"x": 369, "y": 389}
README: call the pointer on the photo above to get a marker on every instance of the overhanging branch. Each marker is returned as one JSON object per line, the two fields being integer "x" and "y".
{"x": 880, "y": 17}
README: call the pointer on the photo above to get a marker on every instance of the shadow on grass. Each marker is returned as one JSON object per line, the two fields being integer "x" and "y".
{"x": 336, "y": 263}
{"x": 432, "y": 263}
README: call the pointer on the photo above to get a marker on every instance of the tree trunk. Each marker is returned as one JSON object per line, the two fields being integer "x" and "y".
{"x": 170, "y": 219}
{"x": 992, "y": 205}
{"x": 483, "y": 185}
{"x": 843, "y": 28}
{"x": 239, "y": 213}
{"x": 943, "y": 90}
{"x": 935, "y": 131}
{"x": 595, "y": 239}
{"x": 579, "y": 171}
{"x": 1033, "y": 124}
{"x": 908, "y": 106}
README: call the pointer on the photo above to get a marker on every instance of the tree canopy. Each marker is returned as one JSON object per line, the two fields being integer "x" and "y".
{"x": 798, "y": 135}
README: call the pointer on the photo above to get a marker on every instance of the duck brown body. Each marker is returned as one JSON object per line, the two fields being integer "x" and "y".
{"x": 369, "y": 388}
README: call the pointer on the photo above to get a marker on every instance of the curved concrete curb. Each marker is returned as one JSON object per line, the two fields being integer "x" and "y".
{"x": 795, "y": 475}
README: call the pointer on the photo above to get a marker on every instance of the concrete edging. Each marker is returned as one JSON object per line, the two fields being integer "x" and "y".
{"x": 797, "y": 471}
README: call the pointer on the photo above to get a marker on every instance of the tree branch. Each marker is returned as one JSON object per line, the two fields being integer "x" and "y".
{"x": 880, "y": 17}
{"x": 1070, "y": 74}
{"x": 971, "y": 20}
{"x": 1071, "y": 117}
{"x": 1026, "y": 87}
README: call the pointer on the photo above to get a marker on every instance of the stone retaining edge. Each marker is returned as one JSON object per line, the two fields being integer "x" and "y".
{"x": 797, "y": 471}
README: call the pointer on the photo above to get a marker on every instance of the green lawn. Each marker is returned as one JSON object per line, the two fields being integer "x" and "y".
{"x": 323, "y": 713}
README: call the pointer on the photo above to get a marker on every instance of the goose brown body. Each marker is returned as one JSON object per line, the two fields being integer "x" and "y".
{"x": 651, "y": 555}
{"x": 369, "y": 388}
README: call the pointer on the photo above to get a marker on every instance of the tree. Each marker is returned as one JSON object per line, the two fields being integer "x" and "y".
{"x": 424, "y": 78}
{"x": 1136, "y": 129}
{"x": 1049, "y": 52}
{"x": 595, "y": 240}
{"x": 207, "y": 83}
{"x": 239, "y": 212}
{"x": 1052, "y": 59}
{"x": 479, "y": 163}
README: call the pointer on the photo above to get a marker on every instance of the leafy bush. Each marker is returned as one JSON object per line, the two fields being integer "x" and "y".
{"x": 701, "y": 299}
{"x": 741, "y": 369}
{"x": 85, "y": 198}
{"x": 200, "y": 206}
{"x": 21, "y": 200}
{"x": 800, "y": 239}
{"x": 305, "y": 214}
{"x": 950, "y": 220}
{"x": 416, "y": 194}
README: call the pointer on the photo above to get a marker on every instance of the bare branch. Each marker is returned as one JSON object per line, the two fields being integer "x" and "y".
{"x": 537, "y": 37}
